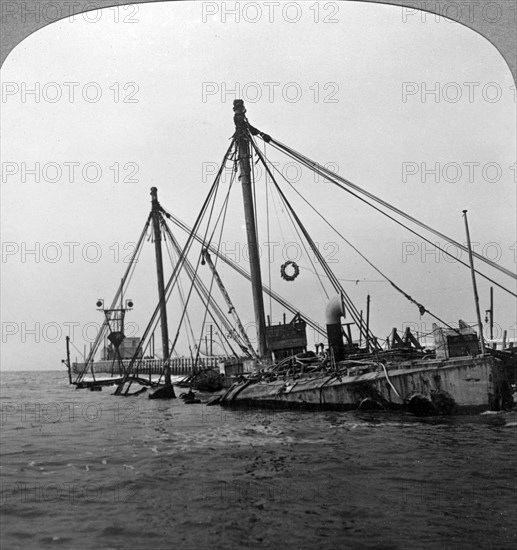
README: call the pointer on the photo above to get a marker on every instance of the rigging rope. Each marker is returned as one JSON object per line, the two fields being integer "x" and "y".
{"x": 226, "y": 199}
{"x": 194, "y": 276}
{"x": 306, "y": 252}
{"x": 268, "y": 240}
{"x": 223, "y": 212}
{"x": 333, "y": 279}
{"x": 231, "y": 309}
{"x": 413, "y": 231}
{"x": 332, "y": 177}
{"x": 356, "y": 281}
{"x": 104, "y": 326}
{"x": 421, "y": 308}
{"x": 245, "y": 345}
{"x": 284, "y": 303}
{"x": 295, "y": 228}
{"x": 174, "y": 275}
{"x": 180, "y": 288}
{"x": 200, "y": 288}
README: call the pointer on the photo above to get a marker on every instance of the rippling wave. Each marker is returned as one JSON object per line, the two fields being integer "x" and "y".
{"x": 85, "y": 470}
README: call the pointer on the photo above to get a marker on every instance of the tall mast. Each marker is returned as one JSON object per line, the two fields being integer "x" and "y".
{"x": 68, "y": 365}
{"x": 367, "y": 336}
{"x": 491, "y": 313}
{"x": 155, "y": 212}
{"x": 242, "y": 137}
{"x": 476, "y": 297}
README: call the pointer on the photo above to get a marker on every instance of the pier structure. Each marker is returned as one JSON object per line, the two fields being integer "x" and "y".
{"x": 178, "y": 366}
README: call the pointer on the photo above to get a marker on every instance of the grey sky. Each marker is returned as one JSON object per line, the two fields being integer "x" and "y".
{"x": 360, "y": 106}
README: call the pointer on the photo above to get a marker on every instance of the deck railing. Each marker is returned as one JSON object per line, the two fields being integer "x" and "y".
{"x": 179, "y": 365}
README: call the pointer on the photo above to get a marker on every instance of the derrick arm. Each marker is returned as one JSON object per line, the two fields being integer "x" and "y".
{"x": 231, "y": 308}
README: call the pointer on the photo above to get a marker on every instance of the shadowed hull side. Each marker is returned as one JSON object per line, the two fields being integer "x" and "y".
{"x": 458, "y": 385}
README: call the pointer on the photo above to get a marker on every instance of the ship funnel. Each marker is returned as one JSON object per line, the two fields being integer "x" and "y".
{"x": 333, "y": 313}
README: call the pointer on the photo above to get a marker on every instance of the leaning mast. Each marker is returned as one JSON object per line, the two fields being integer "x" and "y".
{"x": 155, "y": 213}
{"x": 474, "y": 285}
{"x": 242, "y": 138}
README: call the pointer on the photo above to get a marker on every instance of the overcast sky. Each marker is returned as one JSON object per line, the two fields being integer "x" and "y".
{"x": 132, "y": 98}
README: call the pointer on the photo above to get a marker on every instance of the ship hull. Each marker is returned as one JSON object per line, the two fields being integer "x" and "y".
{"x": 463, "y": 384}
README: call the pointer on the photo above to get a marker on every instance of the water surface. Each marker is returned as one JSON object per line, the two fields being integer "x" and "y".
{"x": 85, "y": 470}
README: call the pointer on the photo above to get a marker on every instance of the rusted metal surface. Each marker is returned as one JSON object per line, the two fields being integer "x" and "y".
{"x": 470, "y": 382}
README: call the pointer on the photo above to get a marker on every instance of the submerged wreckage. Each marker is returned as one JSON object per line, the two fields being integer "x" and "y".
{"x": 459, "y": 372}
{"x": 454, "y": 378}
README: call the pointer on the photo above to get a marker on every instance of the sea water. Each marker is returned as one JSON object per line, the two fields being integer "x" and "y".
{"x": 84, "y": 469}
